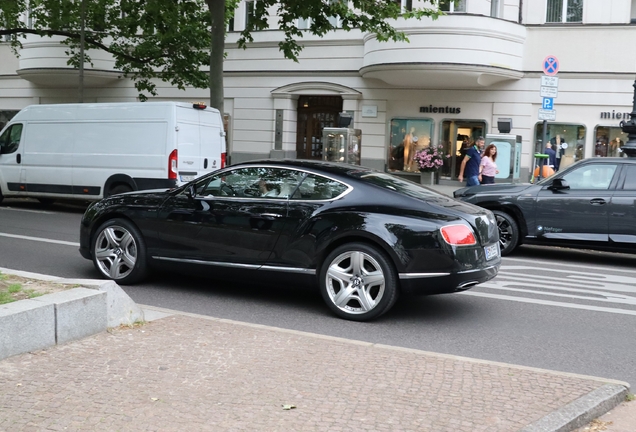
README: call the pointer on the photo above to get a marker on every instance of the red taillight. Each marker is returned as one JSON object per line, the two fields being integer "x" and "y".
{"x": 172, "y": 165}
{"x": 223, "y": 159}
{"x": 458, "y": 235}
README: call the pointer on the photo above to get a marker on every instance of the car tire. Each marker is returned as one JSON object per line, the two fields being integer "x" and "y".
{"x": 358, "y": 292}
{"x": 119, "y": 251}
{"x": 508, "y": 232}
{"x": 120, "y": 188}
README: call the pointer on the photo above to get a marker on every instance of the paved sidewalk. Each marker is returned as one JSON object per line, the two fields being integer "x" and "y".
{"x": 186, "y": 372}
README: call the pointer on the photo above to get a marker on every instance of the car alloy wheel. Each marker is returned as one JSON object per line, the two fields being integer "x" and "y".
{"x": 358, "y": 282}
{"x": 119, "y": 251}
{"x": 508, "y": 232}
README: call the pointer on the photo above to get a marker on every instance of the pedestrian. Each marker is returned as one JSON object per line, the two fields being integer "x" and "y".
{"x": 470, "y": 166}
{"x": 481, "y": 142}
{"x": 551, "y": 155}
{"x": 487, "y": 166}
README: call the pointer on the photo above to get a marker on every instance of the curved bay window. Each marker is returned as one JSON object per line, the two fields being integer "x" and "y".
{"x": 609, "y": 141}
{"x": 567, "y": 140}
{"x": 457, "y": 136}
{"x": 407, "y": 137}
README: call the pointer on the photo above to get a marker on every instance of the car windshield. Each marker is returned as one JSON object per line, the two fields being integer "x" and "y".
{"x": 397, "y": 184}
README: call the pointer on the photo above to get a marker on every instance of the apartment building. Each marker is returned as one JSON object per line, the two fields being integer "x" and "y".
{"x": 456, "y": 77}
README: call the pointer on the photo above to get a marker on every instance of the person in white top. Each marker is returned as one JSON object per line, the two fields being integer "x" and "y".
{"x": 488, "y": 167}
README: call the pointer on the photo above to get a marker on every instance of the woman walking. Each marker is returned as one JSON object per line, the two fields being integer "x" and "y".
{"x": 487, "y": 166}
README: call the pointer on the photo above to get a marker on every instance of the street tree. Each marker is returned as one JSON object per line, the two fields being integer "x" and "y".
{"x": 176, "y": 41}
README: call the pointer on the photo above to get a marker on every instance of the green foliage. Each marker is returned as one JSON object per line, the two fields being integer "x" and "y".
{"x": 14, "y": 288}
{"x": 172, "y": 40}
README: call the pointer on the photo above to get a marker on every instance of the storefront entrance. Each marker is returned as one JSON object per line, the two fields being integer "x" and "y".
{"x": 314, "y": 114}
{"x": 457, "y": 136}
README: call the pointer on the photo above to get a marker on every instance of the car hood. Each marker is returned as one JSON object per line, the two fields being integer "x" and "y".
{"x": 501, "y": 188}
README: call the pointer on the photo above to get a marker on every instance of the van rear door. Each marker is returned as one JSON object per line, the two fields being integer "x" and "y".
{"x": 199, "y": 142}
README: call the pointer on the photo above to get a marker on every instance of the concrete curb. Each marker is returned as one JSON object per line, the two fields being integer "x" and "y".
{"x": 582, "y": 411}
{"x": 61, "y": 317}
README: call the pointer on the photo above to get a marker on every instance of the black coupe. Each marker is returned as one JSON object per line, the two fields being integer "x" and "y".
{"x": 361, "y": 235}
{"x": 591, "y": 204}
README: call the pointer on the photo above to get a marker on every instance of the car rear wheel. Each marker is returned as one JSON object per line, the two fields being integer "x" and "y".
{"x": 358, "y": 282}
{"x": 119, "y": 251}
{"x": 508, "y": 232}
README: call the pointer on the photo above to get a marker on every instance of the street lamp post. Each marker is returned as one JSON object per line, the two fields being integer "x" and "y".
{"x": 629, "y": 127}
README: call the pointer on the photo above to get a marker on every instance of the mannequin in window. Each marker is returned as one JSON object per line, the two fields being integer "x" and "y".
{"x": 557, "y": 145}
{"x": 615, "y": 144}
{"x": 409, "y": 150}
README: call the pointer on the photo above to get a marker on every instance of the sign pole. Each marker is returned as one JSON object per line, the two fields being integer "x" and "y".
{"x": 544, "y": 144}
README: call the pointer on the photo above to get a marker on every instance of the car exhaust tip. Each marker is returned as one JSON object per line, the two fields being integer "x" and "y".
{"x": 466, "y": 285}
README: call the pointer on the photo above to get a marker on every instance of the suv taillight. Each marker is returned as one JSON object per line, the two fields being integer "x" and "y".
{"x": 458, "y": 235}
{"x": 172, "y": 165}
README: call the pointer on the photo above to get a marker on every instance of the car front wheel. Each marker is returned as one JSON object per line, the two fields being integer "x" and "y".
{"x": 508, "y": 232}
{"x": 358, "y": 282}
{"x": 119, "y": 251}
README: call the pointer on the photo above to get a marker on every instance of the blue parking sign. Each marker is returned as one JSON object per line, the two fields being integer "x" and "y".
{"x": 548, "y": 103}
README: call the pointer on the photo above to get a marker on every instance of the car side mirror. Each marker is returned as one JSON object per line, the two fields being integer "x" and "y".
{"x": 189, "y": 191}
{"x": 559, "y": 184}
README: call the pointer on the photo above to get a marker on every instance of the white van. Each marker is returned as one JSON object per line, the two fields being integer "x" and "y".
{"x": 90, "y": 151}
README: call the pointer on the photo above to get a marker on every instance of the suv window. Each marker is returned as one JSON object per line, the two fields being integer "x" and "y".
{"x": 10, "y": 139}
{"x": 593, "y": 176}
{"x": 630, "y": 178}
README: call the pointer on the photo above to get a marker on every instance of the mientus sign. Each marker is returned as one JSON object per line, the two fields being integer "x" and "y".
{"x": 440, "y": 109}
{"x": 614, "y": 115}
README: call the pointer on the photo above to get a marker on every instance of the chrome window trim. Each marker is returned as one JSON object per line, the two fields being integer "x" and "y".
{"x": 228, "y": 169}
{"x": 421, "y": 275}
{"x": 238, "y": 265}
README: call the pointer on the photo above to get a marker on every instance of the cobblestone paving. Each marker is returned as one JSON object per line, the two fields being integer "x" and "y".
{"x": 182, "y": 373}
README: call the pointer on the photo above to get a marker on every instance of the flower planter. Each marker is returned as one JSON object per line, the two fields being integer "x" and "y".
{"x": 427, "y": 178}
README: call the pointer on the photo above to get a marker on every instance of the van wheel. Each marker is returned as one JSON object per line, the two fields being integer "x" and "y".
{"x": 119, "y": 251}
{"x": 120, "y": 188}
{"x": 358, "y": 282}
{"x": 46, "y": 201}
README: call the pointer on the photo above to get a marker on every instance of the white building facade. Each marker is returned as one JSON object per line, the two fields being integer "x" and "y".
{"x": 455, "y": 78}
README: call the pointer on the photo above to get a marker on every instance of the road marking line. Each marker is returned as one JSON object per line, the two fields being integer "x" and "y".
{"x": 28, "y": 211}
{"x": 45, "y": 240}
{"x": 550, "y": 303}
{"x": 539, "y": 262}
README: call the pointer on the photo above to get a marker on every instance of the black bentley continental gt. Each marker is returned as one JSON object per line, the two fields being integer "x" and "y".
{"x": 360, "y": 235}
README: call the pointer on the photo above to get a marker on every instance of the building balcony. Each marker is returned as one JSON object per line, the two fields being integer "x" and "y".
{"x": 43, "y": 61}
{"x": 455, "y": 51}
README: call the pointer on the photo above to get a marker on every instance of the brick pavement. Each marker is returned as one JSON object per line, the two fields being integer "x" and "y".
{"x": 190, "y": 373}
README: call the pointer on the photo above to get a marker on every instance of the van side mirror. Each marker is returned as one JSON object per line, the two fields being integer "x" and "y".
{"x": 559, "y": 184}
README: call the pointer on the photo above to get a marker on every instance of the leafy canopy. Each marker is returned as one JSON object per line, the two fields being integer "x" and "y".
{"x": 171, "y": 40}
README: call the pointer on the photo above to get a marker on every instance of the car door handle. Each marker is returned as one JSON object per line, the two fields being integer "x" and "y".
{"x": 269, "y": 216}
{"x": 597, "y": 201}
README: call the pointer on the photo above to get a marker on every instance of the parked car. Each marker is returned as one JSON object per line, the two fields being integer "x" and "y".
{"x": 591, "y": 204}
{"x": 361, "y": 235}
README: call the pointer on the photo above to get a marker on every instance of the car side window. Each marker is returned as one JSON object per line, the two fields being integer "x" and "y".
{"x": 630, "y": 178}
{"x": 315, "y": 187}
{"x": 251, "y": 182}
{"x": 10, "y": 139}
{"x": 593, "y": 176}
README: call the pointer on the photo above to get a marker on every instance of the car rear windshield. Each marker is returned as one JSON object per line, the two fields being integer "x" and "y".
{"x": 395, "y": 183}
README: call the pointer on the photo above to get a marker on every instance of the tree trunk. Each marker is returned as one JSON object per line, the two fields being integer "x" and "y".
{"x": 217, "y": 50}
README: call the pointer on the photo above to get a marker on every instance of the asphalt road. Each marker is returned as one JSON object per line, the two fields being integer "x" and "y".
{"x": 557, "y": 309}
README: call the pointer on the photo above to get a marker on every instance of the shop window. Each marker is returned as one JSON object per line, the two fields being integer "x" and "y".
{"x": 609, "y": 141}
{"x": 452, "y": 5}
{"x": 562, "y": 11}
{"x": 407, "y": 137}
{"x": 567, "y": 140}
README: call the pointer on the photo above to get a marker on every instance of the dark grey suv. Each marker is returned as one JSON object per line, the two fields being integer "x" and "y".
{"x": 590, "y": 204}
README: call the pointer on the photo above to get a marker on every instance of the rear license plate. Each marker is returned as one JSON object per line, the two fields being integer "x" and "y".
{"x": 492, "y": 251}
{"x": 187, "y": 178}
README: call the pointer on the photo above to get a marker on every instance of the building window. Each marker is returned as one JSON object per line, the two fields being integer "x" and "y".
{"x": 405, "y": 5}
{"x": 249, "y": 12}
{"x": 5, "y": 116}
{"x": 609, "y": 141}
{"x": 562, "y": 11}
{"x": 567, "y": 140}
{"x": 495, "y": 8}
{"x": 452, "y": 5}
{"x": 407, "y": 137}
